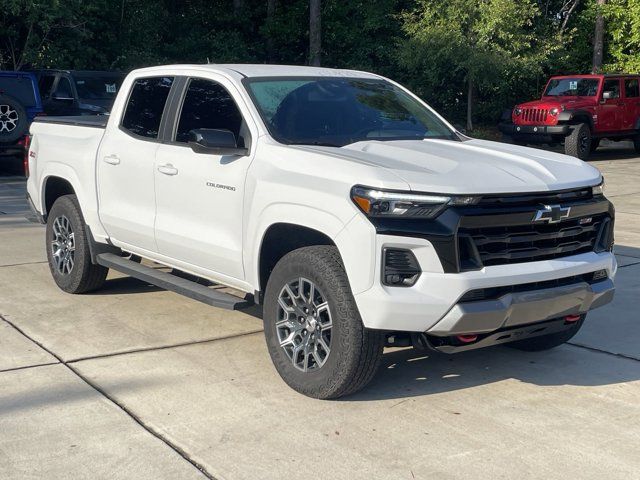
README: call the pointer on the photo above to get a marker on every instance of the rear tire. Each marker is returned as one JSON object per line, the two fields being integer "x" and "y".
{"x": 547, "y": 342}
{"x": 578, "y": 142}
{"x": 13, "y": 119}
{"x": 340, "y": 356}
{"x": 68, "y": 249}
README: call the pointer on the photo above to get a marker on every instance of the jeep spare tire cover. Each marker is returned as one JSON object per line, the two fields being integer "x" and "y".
{"x": 13, "y": 119}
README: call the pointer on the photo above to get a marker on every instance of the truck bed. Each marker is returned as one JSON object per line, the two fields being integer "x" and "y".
{"x": 93, "y": 121}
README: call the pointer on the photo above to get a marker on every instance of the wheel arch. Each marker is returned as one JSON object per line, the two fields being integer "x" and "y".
{"x": 574, "y": 117}
{"x": 54, "y": 187}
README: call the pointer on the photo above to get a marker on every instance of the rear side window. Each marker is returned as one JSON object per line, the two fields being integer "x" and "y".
{"x": 19, "y": 87}
{"x": 631, "y": 88}
{"x": 45, "y": 84}
{"x": 207, "y": 104}
{"x": 146, "y": 103}
{"x": 63, "y": 90}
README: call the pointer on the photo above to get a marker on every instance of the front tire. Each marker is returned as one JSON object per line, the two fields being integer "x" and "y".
{"x": 313, "y": 329}
{"x": 547, "y": 342}
{"x": 578, "y": 142}
{"x": 68, "y": 249}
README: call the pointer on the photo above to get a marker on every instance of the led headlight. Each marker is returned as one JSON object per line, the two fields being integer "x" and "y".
{"x": 383, "y": 203}
{"x": 598, "y": 189}
{"x": 517, "y": 111}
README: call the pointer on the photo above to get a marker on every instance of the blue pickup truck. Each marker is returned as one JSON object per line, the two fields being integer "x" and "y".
{"x": 20, "y": 103}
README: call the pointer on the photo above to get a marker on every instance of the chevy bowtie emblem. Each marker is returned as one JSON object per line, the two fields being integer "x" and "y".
{"x": 552, "y": 214}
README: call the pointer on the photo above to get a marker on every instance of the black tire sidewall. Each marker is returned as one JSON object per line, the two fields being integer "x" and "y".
{"x": 23, "y": 122}
{"x": 346, "y": 327}
{"x": 68, "y": 206}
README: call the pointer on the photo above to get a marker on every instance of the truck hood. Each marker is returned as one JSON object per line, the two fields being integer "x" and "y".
{"x": 569, "y": 103}
{"x": 469, "y": 167}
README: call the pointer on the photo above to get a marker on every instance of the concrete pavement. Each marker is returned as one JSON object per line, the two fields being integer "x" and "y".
{"x": 135, "y": 382}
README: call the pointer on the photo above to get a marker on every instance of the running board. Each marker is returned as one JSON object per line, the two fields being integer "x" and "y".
{"x": 171, "y": 282}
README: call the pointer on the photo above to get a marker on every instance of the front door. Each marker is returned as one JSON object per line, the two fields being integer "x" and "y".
{"x": 125, "y": 165}
{"x": 199, "y": 196}
{"x": 609, "y": 112}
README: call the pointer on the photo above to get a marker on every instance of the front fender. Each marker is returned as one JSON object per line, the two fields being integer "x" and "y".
{"x": 353, "y": 245}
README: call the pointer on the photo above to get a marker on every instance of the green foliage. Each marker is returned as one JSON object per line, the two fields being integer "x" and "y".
{"x": 622, "y": 18}
{"x": 506, "y": 48}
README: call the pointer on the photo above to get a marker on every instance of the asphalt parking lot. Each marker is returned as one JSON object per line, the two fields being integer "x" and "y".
{"x": 136, "y": 382}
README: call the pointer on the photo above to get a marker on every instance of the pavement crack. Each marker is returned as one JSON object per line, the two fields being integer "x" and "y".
{"x": 24, "y": 263}
{"x": 164, "y": 347}
{"x": 604, "y": 352}
{"x": 629, "y": 265}
{"x": 185, "y": 456}
{"x": 28, "y": 366}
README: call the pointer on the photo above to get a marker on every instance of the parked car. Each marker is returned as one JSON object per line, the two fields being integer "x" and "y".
{"x": 76, "y": 92}
{"x": 579, "y": 110}
{"x": 19, "y": 104}
{"x": 340, "y": 201}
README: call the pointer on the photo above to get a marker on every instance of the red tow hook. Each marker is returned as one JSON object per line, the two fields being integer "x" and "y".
{"x": 571, "y": 318}
{"x": 467, "y": 338}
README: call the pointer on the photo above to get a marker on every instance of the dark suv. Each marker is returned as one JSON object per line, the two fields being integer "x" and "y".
{"x": 76, "y": 92}
{"x": 19, "y": 104}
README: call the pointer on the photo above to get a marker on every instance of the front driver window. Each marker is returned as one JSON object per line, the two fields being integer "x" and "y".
{"x": 612, "y": 86}
{"x": 207, "y": 104}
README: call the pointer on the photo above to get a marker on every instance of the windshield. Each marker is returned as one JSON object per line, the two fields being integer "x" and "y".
{"x": 338, "y": 111}
{"x": 98, "y": 87}
{"x": 566, "y": 87}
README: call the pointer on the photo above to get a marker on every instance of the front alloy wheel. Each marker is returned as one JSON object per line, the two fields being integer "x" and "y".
{"x": 304, "y": 324}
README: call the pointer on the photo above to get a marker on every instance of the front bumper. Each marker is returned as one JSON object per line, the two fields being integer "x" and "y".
{"x": 433, "y": 304}
{"x": 530, "y": 130}
{"x": 515, "y": 309}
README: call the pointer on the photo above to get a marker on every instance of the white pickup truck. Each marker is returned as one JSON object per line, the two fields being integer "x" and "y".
{"x": 356, "y": 215}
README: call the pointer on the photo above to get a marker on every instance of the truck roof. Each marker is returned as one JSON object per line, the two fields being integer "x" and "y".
{"x": 262, "y": 70}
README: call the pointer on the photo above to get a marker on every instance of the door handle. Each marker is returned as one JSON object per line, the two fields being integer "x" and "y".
{"x": 112, "y": 159}
{"x": 168, "y": 169}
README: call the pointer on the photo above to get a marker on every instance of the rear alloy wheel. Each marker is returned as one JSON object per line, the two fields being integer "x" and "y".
{"x": 313, "y": 330}
{"x": 578, "y": 142}
{"x": 68, "y": 249}
{"x": 13, "y": 119}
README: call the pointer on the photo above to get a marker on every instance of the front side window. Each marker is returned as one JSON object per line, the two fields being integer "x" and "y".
{"x": 612, "y": 86}
{"x": 207, "y": 104}
{"x": 631, "y": 88}
{"x": 572, "y": 87}
{"x": 337, "y": 111}
{"x": 145, "y": 106}
{"x": 45, "y": 85}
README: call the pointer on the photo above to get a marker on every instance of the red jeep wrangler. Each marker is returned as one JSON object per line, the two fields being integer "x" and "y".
{"x": 578, "y": 110}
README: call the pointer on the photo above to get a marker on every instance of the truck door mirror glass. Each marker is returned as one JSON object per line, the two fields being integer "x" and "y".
{"x": 607, "y": 95}
{"x": 215, "y": 141}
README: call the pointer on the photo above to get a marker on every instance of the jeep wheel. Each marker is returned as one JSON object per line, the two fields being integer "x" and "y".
{"x": 595, "y": 143}
{"x": 636, "y": 143}
{"x": 313, "y": 330}
{"x": 68, "y": 249}
{"x": 547, "y": 342}
{"x": 578, "y": 142}
{"x": 13, "y": 119}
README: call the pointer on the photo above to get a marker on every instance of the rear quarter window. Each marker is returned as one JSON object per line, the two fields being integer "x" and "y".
{"x": 146, "y": 103}
{"x": 20, "y": 88}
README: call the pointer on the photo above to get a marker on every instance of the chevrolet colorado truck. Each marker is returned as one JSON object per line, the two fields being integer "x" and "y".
{"x": 579, "y": 110}
{"x": 338, "y": 200}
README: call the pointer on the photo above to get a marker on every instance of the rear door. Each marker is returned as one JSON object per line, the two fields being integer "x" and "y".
{"x": 125, "y": 165}
{"x": 631, "y": 103}
{"x": 199, "y": 196}
{"x": 610, "y": 110}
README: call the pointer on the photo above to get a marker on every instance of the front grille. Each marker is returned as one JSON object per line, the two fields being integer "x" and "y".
{"x": 487, "y": 246}
{"x": 535, "y": 115}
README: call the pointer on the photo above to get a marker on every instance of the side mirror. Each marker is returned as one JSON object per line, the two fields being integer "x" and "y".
{"x": 607, "y": 95}
{"x": 215, "y": 141}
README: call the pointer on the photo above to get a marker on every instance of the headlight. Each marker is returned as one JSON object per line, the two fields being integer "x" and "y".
{"x": 517, "y": 111}
{"x": 554, "y": 111}
{"x": 598, "y": 189}
{"x": 382, "y": 203}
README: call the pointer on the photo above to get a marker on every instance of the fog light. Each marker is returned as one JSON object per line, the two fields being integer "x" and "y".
{"x": 599, "y": 275}
{"x": 399, "y": 267}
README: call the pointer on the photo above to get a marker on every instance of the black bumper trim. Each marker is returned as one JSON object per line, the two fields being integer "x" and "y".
{"x": 511, "y": 129}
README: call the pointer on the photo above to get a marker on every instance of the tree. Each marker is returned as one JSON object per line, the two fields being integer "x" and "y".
{"x": 622, "y": 19}
{"x": 315, "y": 32}
{"x": 598, "y": 39}
{"x": 457, "y": 47}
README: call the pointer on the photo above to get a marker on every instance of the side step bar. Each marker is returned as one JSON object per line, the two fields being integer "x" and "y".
{"x": 171, "y": 282}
